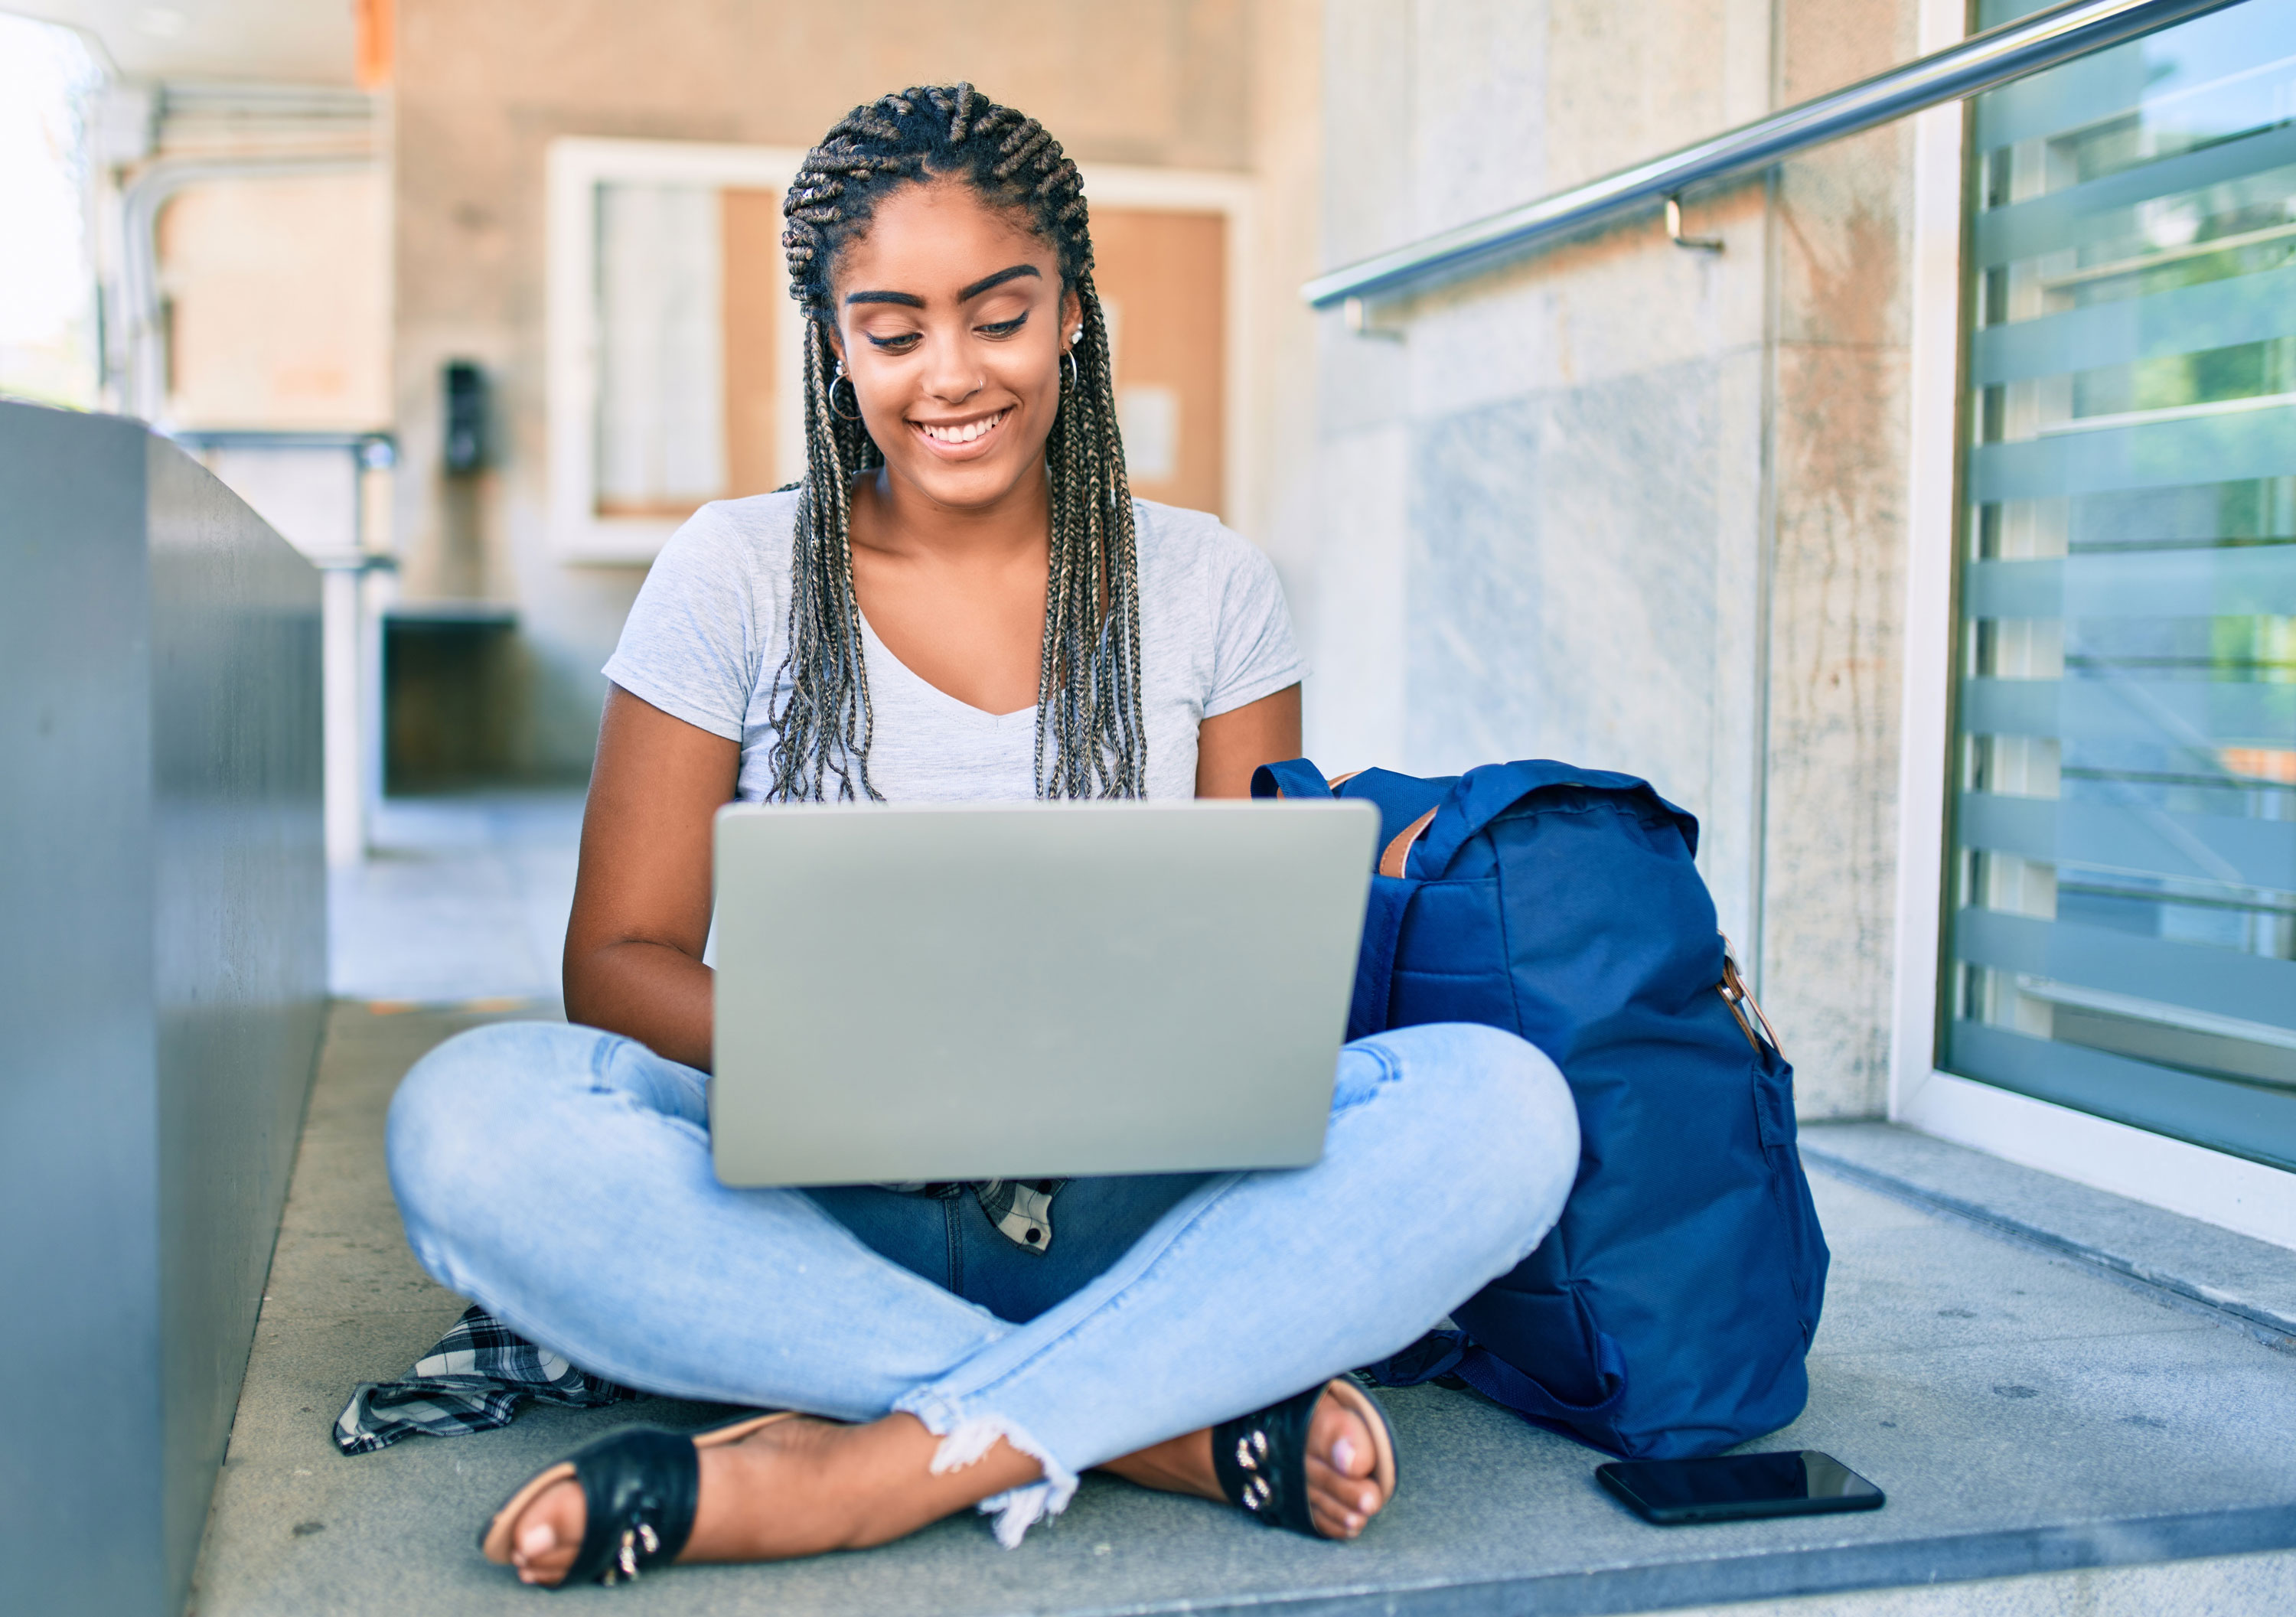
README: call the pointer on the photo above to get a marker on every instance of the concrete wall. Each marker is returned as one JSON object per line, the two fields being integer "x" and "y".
{"x": 161, "y": 987}
{"x": 1625, "y": 504}
{"x": 480, "y": 91}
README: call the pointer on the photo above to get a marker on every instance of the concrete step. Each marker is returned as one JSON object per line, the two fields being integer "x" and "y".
{"x": 2026, "y": 1415}
{"x": 2237, "y": 1279}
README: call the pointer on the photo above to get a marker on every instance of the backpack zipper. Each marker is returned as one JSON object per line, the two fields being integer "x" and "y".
{"x": 1734, "y": 992}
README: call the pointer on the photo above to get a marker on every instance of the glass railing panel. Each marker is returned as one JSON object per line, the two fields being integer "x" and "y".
{"x": 2124, "y": 809}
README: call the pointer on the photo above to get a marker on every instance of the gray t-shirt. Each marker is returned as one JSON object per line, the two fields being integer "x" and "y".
{"x": 711, "y": 626}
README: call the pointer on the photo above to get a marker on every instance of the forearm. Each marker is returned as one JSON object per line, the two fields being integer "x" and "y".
{"x": 658, "y": 995}
{"x": 641, "y": 916}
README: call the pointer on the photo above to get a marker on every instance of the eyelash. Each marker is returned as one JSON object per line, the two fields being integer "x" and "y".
{"x": 906, "y": 340}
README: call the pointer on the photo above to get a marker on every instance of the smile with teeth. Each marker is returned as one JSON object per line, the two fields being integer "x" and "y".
{"x": 963, "y": 433}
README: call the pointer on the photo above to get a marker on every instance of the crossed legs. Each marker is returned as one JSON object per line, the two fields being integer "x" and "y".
{"x": 562, "y": 1176}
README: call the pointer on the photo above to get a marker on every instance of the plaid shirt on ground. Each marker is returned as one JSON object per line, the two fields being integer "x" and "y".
{"x": 473, "y": 1381}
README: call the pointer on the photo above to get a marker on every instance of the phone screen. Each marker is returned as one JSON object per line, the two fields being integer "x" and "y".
{"x": 1738, "y": 1487}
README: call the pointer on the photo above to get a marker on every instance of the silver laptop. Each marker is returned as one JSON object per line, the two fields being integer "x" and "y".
{"x": 941, "y": 992}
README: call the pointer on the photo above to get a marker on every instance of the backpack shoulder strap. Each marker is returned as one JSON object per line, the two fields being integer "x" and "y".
{"x": 1295, "y": 777}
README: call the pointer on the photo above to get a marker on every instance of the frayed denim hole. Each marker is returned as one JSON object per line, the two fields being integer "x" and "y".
{"x": 1347, "y": 1095}
{"x": 966, "y": 1437}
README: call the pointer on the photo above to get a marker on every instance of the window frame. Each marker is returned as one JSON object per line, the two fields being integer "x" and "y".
{"x": 2217, "y": 1187}
{"x": 578, "y": 164}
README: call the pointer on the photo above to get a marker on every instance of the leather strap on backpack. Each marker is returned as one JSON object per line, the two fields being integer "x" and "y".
{"x": 1367, "y": 1009}
{"x": 1398, "y": 851}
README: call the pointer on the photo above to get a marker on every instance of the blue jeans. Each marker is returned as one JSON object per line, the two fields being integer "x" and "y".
{"x": 562, "y": 1177}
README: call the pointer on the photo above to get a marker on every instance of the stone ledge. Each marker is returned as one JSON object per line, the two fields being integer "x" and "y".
{"x": 1604, "y": 1592}
{"x": 2249, "y": 1284}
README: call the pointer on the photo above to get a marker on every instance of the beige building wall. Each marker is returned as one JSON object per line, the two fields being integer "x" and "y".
{"x": 1622, "y": 503}
{"x": 277, "y": 311}
{"x": 479, "y": 92}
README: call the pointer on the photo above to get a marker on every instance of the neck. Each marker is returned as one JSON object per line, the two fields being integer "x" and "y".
{"x": 893, "y": 516}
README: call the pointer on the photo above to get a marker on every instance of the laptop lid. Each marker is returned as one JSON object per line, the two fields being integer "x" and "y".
{"x": 943, "y": 991}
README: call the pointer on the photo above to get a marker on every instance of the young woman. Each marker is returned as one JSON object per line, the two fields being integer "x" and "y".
{"x": 961, "y": 602}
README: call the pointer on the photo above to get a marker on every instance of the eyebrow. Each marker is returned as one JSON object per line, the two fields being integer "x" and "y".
{"x": 998, "y": 279}
{"x": 911, "y": 300}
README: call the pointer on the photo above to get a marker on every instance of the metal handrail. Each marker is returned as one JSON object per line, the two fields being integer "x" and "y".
{"x": 1980, "y": 62}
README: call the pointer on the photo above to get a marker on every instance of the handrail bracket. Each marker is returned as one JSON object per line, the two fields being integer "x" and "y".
{"x": 1358, "y": 320}
{"x": 1674, "y": 229}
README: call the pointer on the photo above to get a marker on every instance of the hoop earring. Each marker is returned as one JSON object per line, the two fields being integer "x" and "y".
{"x": 1069, "y": 354}
{"x": 848, "y": 380}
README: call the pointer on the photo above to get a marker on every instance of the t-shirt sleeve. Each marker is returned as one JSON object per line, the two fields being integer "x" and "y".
{"x": 695, "y": 639}
{"x": 1253, "y": 655}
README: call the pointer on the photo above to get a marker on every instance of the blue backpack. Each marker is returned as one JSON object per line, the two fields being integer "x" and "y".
{"x": 1670, "y": 1311}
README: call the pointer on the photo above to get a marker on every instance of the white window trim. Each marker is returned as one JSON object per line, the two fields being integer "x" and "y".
{"x": 1235, "y": 198}
{"x": 2211, "y": 1185}
{"x": 578, "y": 165}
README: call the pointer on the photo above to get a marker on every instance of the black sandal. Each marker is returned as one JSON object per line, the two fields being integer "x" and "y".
{"x": 1262, "y": 1458}
{"x": 639, "y": 1487}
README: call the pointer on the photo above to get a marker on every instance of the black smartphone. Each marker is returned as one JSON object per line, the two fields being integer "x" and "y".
{"x": 1738, "y": 1487}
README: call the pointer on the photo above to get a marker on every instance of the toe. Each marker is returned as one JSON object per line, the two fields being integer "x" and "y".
{"x": 549, "y": 1535}
{"x": 1358, "y": 1494}
{"x": 1338, "y": 1436}
{"x": 1341, "y": 1494}
{"x": 1334, "y": 1516}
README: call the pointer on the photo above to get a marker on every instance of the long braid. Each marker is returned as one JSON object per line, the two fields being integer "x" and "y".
{"x": 1091, "y": 740}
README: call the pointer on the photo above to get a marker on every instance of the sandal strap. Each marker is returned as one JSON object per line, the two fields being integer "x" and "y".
{"x": 639, "y": 1488}
{"x": 1261, "y": 1461}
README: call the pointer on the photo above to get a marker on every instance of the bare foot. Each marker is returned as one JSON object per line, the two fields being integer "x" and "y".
{"x": 1342, "y": 1496}
{"x": 794, "y": 1487}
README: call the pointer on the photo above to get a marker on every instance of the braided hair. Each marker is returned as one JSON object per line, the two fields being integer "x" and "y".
{"x": 1090, "y": 737}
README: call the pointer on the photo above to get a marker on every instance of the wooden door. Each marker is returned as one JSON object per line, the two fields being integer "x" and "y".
{"x": 1163, "y": 277}
{"x": 756, "y": 290}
